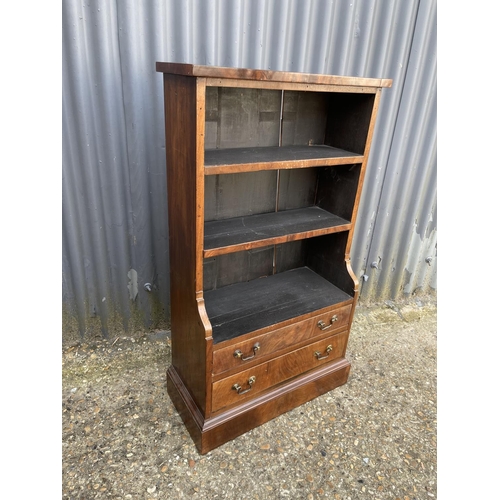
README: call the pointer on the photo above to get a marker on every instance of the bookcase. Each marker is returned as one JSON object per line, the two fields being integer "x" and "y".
{"x": 264, "y": 176}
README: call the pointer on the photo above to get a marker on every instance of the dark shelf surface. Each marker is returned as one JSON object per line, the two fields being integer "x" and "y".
{"x": 275, "y": 157}
{"x": 234, "y": 234}
{"x": 244, "y": 307}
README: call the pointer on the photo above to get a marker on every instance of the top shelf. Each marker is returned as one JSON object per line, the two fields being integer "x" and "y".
{"x": 235, "y": 160}
{"x": 267, "y": 75}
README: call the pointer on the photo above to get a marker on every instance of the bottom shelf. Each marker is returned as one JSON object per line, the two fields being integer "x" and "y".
{"x": 245, "y": 307}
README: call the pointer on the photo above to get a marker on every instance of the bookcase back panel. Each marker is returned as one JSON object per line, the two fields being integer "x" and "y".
{"x": 334, "y": 119}
{"x": 246, "y": 117}
{"x": 246, "y": 265}
{"x": 297, "y": 188}
{"x": 304, "y": 118}
{"x": 241, "y": 117}
{"x": 238, "y": 195}
{"x": 237, "y": 267}
{"x": 325, "y": 255}
{"x": 291, "y": 255}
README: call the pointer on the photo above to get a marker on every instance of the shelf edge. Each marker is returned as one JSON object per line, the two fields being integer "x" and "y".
{"x": 237, "y": 168}
{"x": 239, "y": 247}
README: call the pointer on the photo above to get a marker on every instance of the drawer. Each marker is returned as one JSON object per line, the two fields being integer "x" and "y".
{"x": 249, "y": 382}
{"x": 252, "y": 350}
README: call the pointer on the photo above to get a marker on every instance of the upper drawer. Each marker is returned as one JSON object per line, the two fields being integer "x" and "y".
{"x": 257, "y": 349}
{"x": 252, "y": 381}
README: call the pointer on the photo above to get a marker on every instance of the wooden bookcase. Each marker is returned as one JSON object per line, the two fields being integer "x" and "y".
{"x": 264, "y": 176}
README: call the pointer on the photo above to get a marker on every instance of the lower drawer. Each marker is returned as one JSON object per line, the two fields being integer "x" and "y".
{"x": 251, "y": 350}
{"x": 248, "y": 383}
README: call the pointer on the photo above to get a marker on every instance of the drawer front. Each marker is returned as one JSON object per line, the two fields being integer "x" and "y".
{"x": 250, "y": 351}
{"x": 247, "y": 383}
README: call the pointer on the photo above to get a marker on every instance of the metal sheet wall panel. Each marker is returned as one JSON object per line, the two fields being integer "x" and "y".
{"x": 402, "y": 254}
{"x": 115, "y": 234}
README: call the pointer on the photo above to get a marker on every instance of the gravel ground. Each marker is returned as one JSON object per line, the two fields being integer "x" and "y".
{"x": 374, "y": 437}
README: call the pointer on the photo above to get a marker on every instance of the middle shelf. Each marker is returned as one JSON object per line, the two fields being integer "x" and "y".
{"x": 233, "y": 160}
{"x": 253, "y": 231}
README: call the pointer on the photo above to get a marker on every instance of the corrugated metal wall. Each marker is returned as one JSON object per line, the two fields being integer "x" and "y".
{"x": 115, "y": 234}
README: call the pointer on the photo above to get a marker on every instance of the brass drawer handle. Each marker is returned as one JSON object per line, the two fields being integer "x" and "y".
{"x": 323, "y": 326}
{"x": 328, "y": 351}
{"x": 239, "y": 354}
{"x": 237, "y": 387}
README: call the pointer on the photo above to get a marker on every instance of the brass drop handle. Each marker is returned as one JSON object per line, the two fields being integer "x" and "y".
{"x": 323, "y": 326}
{"x": 237, "y": 387}
{"x": 328, "y": 351}
{"x": 239, "y": 354}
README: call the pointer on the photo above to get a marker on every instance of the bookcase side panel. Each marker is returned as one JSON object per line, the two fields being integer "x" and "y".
{"x": 327, "y": 257}
{"x": 188, "y": 331}
{"x": 349, "y": 118}
{"x": 238, "y": 195}
{"x": 337, "y": 189}
{"x": 371, "y": 112}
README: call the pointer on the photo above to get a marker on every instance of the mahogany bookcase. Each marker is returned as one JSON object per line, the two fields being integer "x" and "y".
{"x": 264, "y": 176}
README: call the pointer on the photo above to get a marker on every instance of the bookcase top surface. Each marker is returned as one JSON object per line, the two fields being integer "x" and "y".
{"x": 268, "y": 75}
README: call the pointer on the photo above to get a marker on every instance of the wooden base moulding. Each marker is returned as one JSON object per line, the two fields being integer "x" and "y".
{"x": 231, "y": 423}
